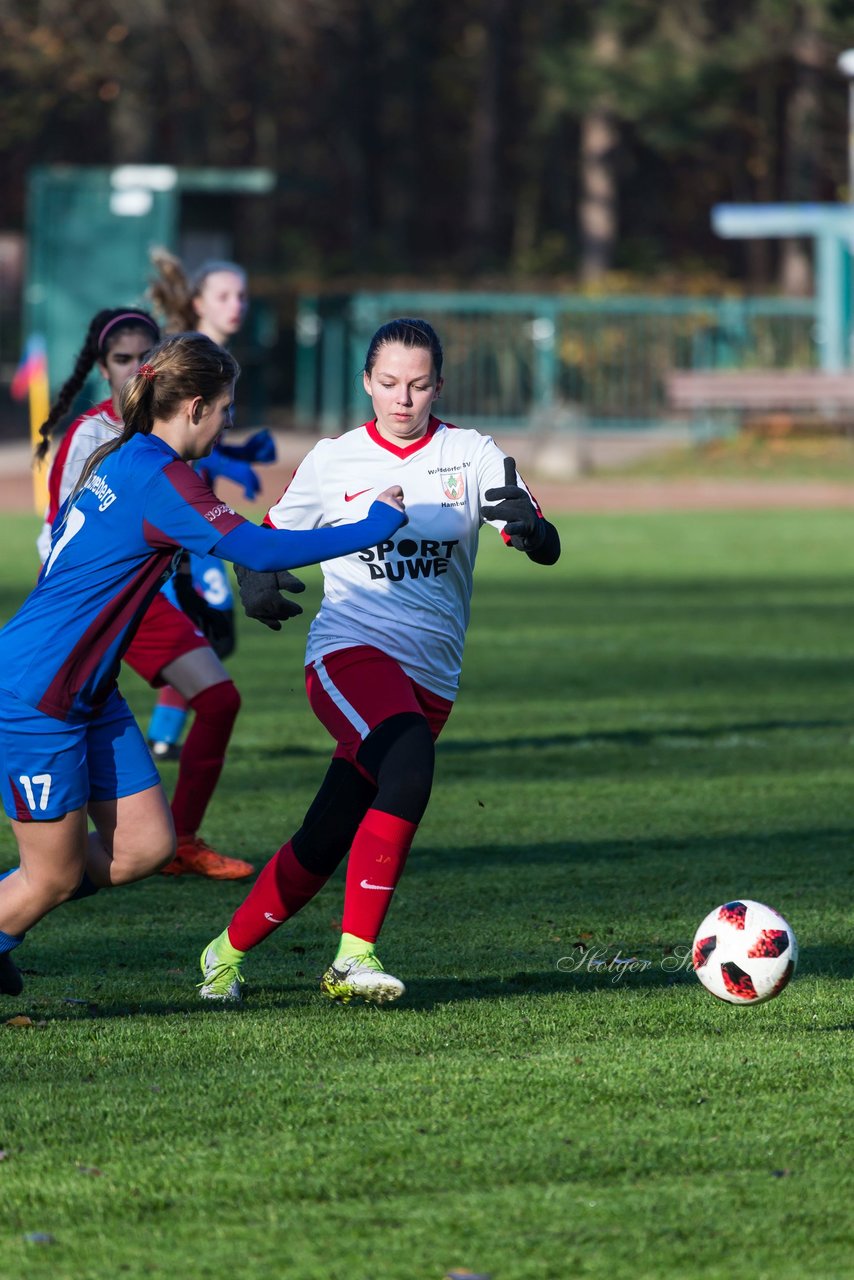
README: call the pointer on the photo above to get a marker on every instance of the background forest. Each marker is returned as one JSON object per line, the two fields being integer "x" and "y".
{"x": 497, "y": 141}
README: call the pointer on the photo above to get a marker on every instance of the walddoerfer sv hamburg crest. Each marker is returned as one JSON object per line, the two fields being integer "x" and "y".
{"x": 454, "y": 486}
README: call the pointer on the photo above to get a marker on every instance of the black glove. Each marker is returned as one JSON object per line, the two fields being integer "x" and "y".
{"x": 214, "y": 624}
{"x": 523, "y": 525}
{"x": 260, "y": 594}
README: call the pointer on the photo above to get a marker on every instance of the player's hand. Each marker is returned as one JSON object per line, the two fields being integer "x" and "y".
{"x": 522, "y": 523}
{"x": 260, "y": 447}
{"x": 218, "y": 464}
{"x": 260, "y": 594}
{"x": 393, "y": 496}
{"x": 213, "y": 623}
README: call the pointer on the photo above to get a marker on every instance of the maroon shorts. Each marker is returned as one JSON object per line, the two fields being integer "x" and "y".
{"x": 164, "y": 634}
{"x": 351, "y": 691}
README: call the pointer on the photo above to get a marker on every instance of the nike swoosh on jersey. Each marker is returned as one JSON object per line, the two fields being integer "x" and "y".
{"x": 273, "y": 919}
{"x": 389, "y": 888}
{"x": 348, "y": 497}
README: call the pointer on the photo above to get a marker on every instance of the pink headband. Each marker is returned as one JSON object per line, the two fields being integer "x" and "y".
{"x": 126, "y": 315}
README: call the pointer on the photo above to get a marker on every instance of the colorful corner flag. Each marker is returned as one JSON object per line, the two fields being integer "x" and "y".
{"x": 32, "y": 369}
{"x": 30, "y": 380}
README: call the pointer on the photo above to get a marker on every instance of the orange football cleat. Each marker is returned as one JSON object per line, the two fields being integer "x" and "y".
{"x": 194, "y": 857}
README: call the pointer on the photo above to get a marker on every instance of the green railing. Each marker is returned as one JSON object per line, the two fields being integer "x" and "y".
{"x": 516, "y": 360}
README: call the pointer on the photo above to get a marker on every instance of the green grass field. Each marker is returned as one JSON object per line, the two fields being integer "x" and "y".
{"x": 661, "y": 723}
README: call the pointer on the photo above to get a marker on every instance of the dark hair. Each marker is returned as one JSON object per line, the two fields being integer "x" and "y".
{"x": 178, "y": 368}
{"x": 173, "y": 291}
{"x": 410, "y": 333}
{"x": 103, "y": 330}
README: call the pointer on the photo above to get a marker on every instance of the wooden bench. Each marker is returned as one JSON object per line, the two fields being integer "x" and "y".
{"x": 779, "y": 398}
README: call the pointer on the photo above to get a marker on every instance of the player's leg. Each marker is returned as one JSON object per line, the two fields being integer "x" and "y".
{"x": 352, "y": 692}
{"x": 171, "y": 711}
{"x": 213, "y": 697}
{"x": 399, "y": 754}
{"x": 134, "y": 834}
{"x": 304, "y": 863}
{"x": 389, "y": 730}
{"x": 166, "y": 724}
{"x": 292, "y": 877}
{"x": 52, "y": 861}
{"x": 133, "y": 838}
{"x": 167, "y": 647}
{"x": 50, "y": 772}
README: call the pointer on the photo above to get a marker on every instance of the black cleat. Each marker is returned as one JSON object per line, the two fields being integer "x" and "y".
{"x": 11, "y": 982}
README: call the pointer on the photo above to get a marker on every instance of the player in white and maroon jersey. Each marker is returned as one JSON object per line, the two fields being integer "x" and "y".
{"x": 172, "y": 645}
{"x": 384, "y": 652}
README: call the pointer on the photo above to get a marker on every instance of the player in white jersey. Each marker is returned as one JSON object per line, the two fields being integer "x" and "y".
{"x": 384, "y": 652}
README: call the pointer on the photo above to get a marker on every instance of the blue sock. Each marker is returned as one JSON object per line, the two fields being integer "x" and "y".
{"x": 8, "y": 942}
{"x": 166, "y": 724}
{"x": 85, "y": 889}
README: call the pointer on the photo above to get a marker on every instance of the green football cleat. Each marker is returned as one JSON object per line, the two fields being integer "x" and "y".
{"x": 222, "y": 978}
{"x": 360, "y": 977}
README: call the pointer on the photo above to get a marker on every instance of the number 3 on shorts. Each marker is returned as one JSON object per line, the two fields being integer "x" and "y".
{"x": 37, "y": 780}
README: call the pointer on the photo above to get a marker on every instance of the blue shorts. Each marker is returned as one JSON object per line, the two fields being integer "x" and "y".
{"x": 49, "y": 767}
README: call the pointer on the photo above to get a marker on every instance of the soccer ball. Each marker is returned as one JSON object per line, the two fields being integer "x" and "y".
{"x": 744, "y": 952}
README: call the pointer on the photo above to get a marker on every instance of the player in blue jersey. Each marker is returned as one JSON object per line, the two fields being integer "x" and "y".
{"x": 171, "y": 645}
{"x": 70, "y": 749}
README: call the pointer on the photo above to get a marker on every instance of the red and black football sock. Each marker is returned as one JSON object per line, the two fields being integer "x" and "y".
{"x": 281, "y": 890}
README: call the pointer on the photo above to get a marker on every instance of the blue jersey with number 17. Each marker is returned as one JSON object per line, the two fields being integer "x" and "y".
{"x": 111, "y": 552}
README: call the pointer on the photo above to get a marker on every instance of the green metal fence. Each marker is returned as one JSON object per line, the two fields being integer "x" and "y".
{"x": 512, "y": 360}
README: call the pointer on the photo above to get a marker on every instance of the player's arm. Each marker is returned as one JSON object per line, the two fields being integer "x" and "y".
{"x": 299, "y": 507}
{"x": 268, "y": 549}
{"x": 181, "y": 510}
{"x": 525, "y": 526}
{"x": 260, "y": 447}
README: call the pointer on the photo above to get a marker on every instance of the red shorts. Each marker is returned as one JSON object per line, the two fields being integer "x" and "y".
{"x": 164, "y": 634}
{"x": 353, "y": 690}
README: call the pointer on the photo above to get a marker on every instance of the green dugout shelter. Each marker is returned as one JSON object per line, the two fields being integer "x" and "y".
{"x": 89, "y": 233}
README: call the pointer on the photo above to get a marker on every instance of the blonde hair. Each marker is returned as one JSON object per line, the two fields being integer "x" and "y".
{"x": 173, "y": 291}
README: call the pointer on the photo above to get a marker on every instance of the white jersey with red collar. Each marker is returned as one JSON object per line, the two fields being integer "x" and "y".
{"x": 86, "y": 434}
{"x": 409, "y": 596}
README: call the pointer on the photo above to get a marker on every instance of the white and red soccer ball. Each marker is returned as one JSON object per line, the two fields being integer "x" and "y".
{"x": 744, "y": 952}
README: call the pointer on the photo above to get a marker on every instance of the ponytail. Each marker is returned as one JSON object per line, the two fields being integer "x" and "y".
{"x": 171, "y": 292}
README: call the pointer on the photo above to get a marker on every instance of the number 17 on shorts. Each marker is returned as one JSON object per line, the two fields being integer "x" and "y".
{"x": 36, "y": 790}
